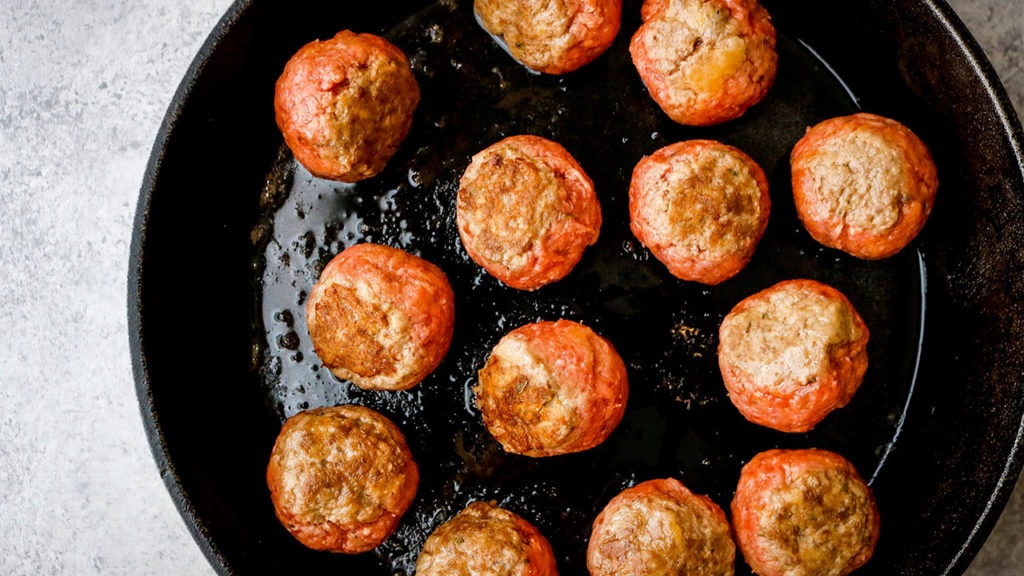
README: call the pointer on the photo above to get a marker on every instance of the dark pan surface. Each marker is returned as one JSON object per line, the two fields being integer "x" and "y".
{"x": 231, "y": 234}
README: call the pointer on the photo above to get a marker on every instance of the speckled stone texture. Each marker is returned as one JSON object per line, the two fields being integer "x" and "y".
{"x": 998, "y": 25}
{"x": 83, "y": 88}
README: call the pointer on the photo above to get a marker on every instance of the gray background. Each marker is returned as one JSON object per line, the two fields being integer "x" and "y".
{"x": 83, "y": 88}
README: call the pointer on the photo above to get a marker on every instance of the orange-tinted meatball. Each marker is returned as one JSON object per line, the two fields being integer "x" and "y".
{"x": 804, "y": 513}
{"x": 341, "y": 477}
{"x": 526, "y": 211}
{"x": 552, "y": 37}
{"x": 660, "y": 527}
{"x": 792, "y": 353}
{"x": 863, "y": 184}
{"x": 552, "y": 388}
{"x": 700, "y": 207}
{"x": 485, "y": 540}
{"x": 705, "y": 61}
{"x": 344, "y": 105}
{"x": 381, "y": 317}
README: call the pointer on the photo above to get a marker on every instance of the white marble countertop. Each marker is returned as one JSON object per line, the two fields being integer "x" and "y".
{"x": 83, "y": 88}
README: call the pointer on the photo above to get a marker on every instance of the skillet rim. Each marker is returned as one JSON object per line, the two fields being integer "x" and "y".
{"x": 136, "y": 313}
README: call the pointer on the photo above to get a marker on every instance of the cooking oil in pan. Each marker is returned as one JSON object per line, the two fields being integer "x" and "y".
{"x": 679, "y": 421}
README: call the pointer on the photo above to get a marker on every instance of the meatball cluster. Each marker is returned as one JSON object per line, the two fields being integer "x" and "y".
{"x": 552, "y": 37}
{"x": 551, "y": 388}
{"x": 705, "y": 61}
{"x": 792, "y": 353}
{"x": 486, "y": 540}
{"x": 526, "y": 211}
{"x": 381, "y": 317}
{"x": 863, "y": 184}
{"x": 804, "y": 512}
{"x": 661, "y": 527}
{"x": 700, "y": 207}
{"x": 341, "y": 478}
{"x": 344, "y": 105}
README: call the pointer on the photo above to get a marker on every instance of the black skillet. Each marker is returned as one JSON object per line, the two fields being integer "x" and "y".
{"x": 230, "y": 234}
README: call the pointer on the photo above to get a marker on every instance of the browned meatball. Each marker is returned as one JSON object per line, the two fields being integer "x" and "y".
{"x": 804, "y": 513}
{"x": 552, "y": 388}
{"x": 381, "y": 317}
{"x": 526, "y": 211}
{"x": 485, "y": 540}
{"x": 552, "y": 37}
{"x": 792, "y": 353}
{"x": 341, "y": 477}
{"x": 659, "y": 527}
{"x": 700, "y": 207}
{"x": 705, "y": 61}
{"x": 345, "y": 104}
{"x": 863, "y": 184}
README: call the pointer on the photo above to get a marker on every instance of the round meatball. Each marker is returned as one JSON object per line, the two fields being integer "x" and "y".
{"x": 381, "y": 317}
{"x": 804, "y": 513}
{"x": 792, "y": 353}
{"x": 344, "y": 105}
{"x": 526, "y": 211}
{"x": 485, "y": 540}
{"x": 705, "y": 61}
{"x": 700, "y": 207}
{"x": 552, "y": 37}
{"x": 660, "y": 527}
{"x": 863, "y": 184}
{"x": 341, "y": 477}
{"x": 552, "y": 388}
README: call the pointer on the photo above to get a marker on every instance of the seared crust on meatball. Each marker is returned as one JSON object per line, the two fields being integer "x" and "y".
{"x": 485, "y": 540}
{"x": 792, "y": 353}
{"x": 863, "y": 184}
{"x": 552, "y": 37}
{"x": 660, "y": 527}
{"x": 700, "y": 207}
{"x": 341, "y": 477}
{"x": 344, "y": 105}
{"x": 804, "y": 513}
{"x": 705, "y": 61}
{"x": 526, "y": 211}
{"x": 552, "y": 388}
{"x": 381, "y": 317}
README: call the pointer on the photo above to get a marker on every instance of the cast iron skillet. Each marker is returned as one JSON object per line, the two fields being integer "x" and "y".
{"x": 230, "y": 234}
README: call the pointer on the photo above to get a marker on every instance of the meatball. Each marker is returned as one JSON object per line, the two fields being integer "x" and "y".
{"x": 700, "y": 207}
{"x": 381, "y": 317}
{"x": 341, "y": 477}
{"x": 804, "y": 513}
{"x": 660, "y": 527}
{"x": 526, "y": 211}
{"x": 552, "y": 37}
{"x": 863, "y": 184}
{"x": 705, "y": 61}
{"x": 485, "y": 540}
{"x": 552, "y": 388}
{"x": 792, "y": 353}
{"x": 344, "y": 105}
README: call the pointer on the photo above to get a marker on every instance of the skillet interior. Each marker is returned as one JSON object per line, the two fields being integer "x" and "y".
{"x": 936, "y": 425}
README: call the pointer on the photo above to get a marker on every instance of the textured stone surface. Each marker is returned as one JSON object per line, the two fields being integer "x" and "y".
{"x": 83, "y": 88}
{"x": 998, "y": 26}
